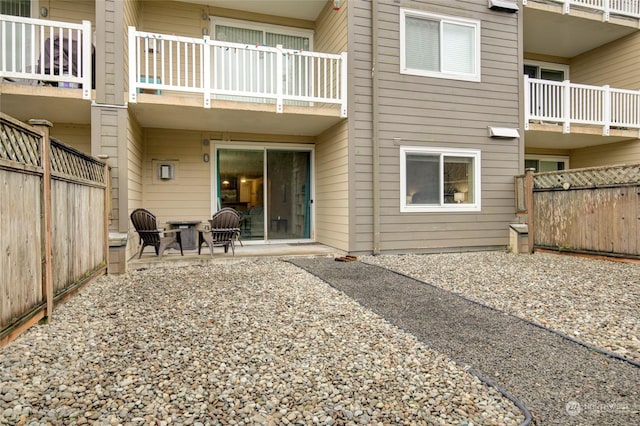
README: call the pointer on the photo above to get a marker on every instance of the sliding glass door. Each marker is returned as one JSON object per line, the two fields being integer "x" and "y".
{"x": 271, "y": 186}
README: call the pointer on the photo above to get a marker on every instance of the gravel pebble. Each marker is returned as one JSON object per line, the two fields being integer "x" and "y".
{"x": 594, "y": 301}
{"x": 240, "y": 342}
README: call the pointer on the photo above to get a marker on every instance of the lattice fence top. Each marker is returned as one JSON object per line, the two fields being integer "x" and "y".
{"x": 588, "y": 178}
{"x": 72, "y": 163}
{"x": 18, "y": 144}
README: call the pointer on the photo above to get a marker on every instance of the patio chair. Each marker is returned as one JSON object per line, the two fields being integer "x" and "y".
{"x": 147, "y": 227}
{"x": 225, "y": 228}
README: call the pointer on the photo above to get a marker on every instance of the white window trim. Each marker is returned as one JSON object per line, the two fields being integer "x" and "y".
{"x": 279, "y": 29}
{"x": 556, "y": 158}
{"x": 549, "y": 66}
{"x": 449, "y": 207}
{"x": 476, "y": 76}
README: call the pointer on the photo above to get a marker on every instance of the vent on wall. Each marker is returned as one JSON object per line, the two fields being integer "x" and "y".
{"x": 503, "y": 6}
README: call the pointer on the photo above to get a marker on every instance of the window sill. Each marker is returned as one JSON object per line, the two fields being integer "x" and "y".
{"x": 457, "y": 208}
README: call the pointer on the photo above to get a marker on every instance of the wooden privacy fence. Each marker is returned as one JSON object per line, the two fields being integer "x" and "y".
{"x": 594, "y": 210}
{"x": 54, "y": 203}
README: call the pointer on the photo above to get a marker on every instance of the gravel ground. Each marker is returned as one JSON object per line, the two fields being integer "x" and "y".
{"x": 239, "y": 342}
{"x": 560, "y": 381}
{"x": 594, "y": 301}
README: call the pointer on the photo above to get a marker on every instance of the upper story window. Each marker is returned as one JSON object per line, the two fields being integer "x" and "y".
{"x": 15, "y": 8}
{"x": 439, "y": 46}
{"x": 546, "y": 70}
{"x": 439, "y": 179}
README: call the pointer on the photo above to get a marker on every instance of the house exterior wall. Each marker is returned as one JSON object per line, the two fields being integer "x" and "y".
{"x": 186, "y": 19}
{"x": 76, "y": 135}
{"x": 435, "y": 112}
{"x": 332, "y": 187}
{"x": 188, "y": 195}
{"x": 627, "y": 152}
{"x": 70, "y": 10}
{"x": 616, "y": 64}
{"x": 132, "y": 16}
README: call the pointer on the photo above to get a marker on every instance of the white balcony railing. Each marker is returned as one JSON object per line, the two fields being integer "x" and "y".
{"x": 47, "y": 51}
{"x": 235, "y": 71}
{"x": 566, "y": 103}
{"x": 628, "y": 8}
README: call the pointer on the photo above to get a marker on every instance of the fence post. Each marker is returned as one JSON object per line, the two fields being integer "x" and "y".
{"x": 45, "y": 152}
{"x": 528, "y": 198}
{"x": 107, "y": 211}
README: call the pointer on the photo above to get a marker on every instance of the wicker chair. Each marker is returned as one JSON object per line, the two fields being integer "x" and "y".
{"x": 225, "y": 229}
{"x": 147, "y": 227}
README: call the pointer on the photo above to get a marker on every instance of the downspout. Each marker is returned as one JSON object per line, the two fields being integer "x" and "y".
{"x": 375, "y": 151}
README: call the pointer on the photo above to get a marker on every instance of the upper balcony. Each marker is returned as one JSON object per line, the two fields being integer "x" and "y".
{"x": 210, "y": 74}
{"x": 50, "y": 61}
{"x": 568, "y": 28}
{"x": 578, "y": 115}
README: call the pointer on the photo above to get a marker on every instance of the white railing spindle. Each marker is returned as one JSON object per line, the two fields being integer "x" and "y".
{"x": 237, "y": 71}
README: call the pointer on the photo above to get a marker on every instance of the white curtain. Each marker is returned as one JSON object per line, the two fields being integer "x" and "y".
{"x": 459, "y": 46}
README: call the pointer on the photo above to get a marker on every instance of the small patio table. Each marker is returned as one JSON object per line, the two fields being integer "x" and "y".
{"x": 188, "y": 232}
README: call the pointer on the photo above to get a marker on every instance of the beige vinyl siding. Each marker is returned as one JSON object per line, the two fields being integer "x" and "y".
{"x": 134, "y": 178}
{"x": 615, "y": 64}
{"x": 627, "y": 152}
{"x": 76, "y": 135}
{"x": 331, "y": 30}
{"x": 186, "y": 19}
{"x": 74, "y": 11}
{"x": 132, "y": 14}
{"x": 435, "y": 112}
{"x": 188, "y": 196}
{"x": 332, "y": 187}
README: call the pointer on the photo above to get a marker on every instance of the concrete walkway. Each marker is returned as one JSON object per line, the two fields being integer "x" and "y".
{"x": 559, "y": 381}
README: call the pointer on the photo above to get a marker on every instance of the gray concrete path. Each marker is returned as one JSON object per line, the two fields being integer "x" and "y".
{"x": 560, "y": 381}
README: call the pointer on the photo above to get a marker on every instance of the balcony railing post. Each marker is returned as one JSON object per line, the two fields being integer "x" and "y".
{"x": 566, "y": 7}
{"x": 206, "y": 69}
{"x": 606, "y": 12}
{"x": 566, "y": 106}
{"x": 606, "y": 107}
{"x": 344, "y": 85}
{"x": 133, "y": 48}
{"x": 279, "y": 76}
{"x": 87, "y": 71}
{"x": 527, "y": 102}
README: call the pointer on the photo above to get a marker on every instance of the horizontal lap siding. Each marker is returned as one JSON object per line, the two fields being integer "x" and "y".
{"x": 615, "y": 64}
{"x": 74, "y": 11}
{"x": 188, "y": 195}
{"x": 76, "y": 135}
{"x": 332, "y": 146}
{"x": 435, "y": 112}
{"x": 614, "y": 154}
{"x": 332, "y": 187}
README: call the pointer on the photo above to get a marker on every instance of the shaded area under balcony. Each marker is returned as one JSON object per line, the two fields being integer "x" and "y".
{"x": 569, "y": 28}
